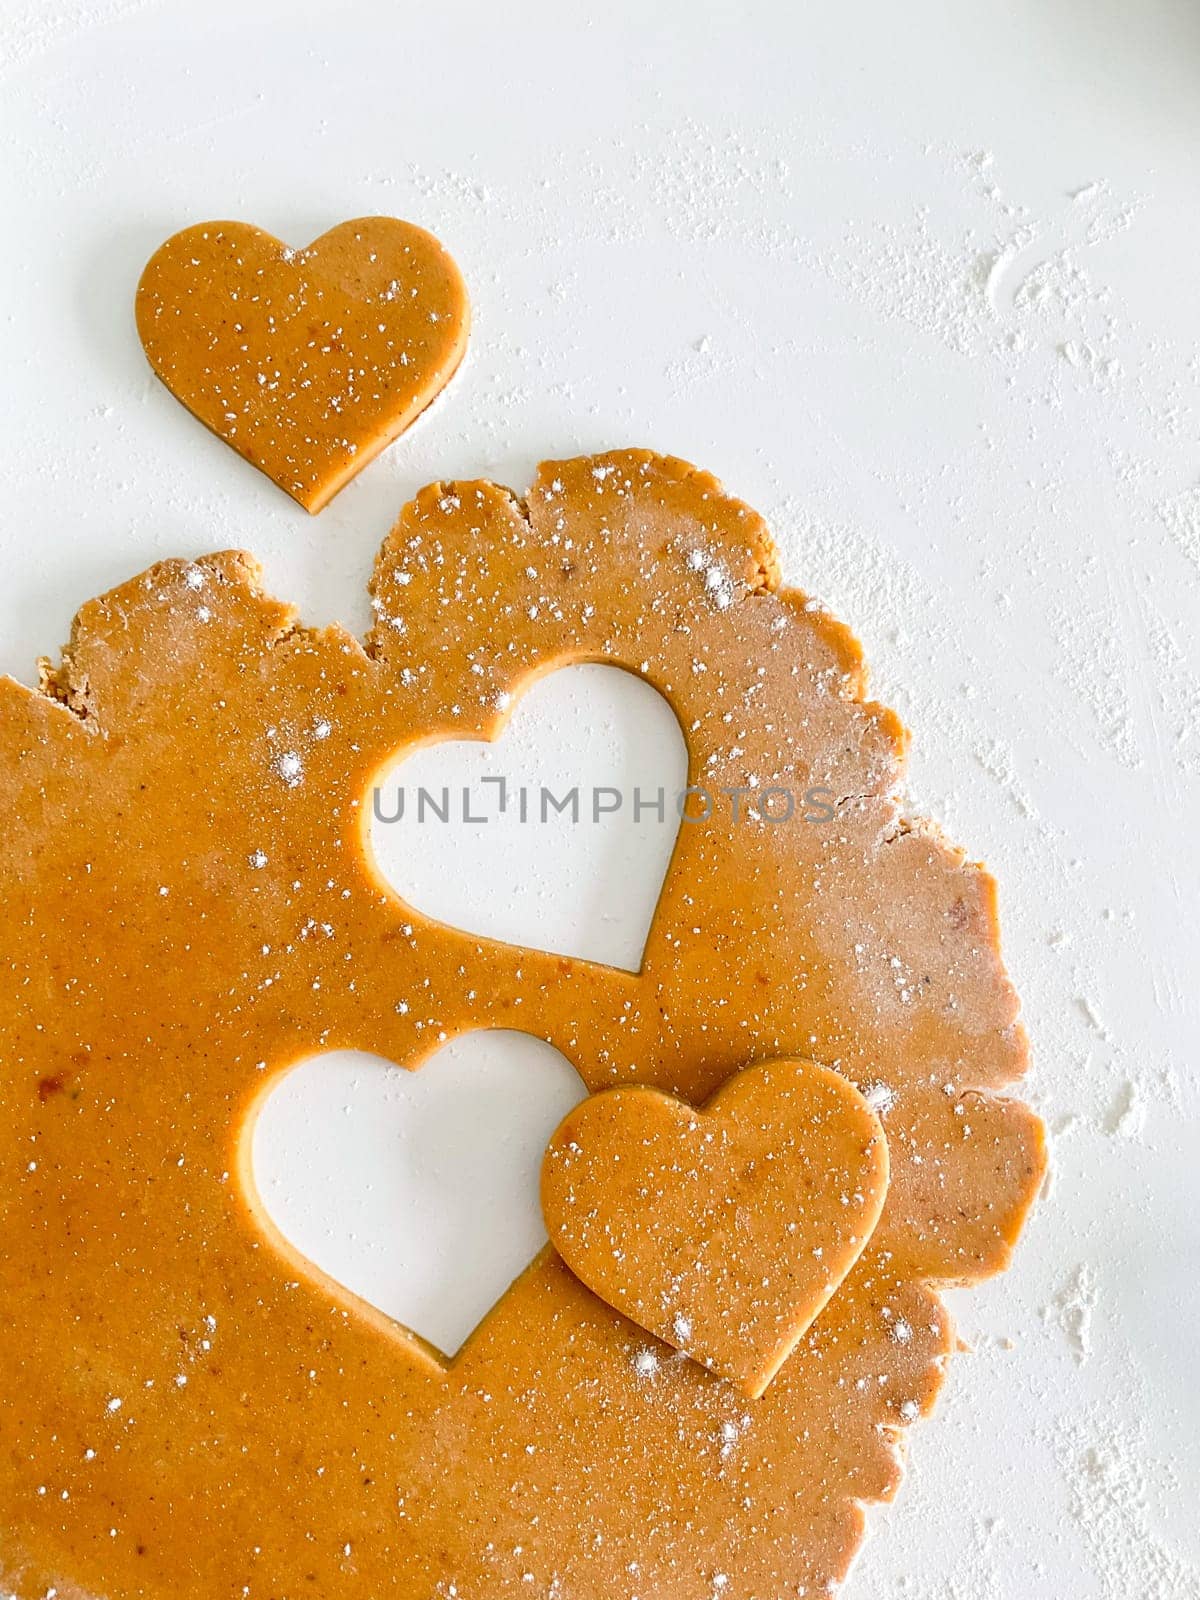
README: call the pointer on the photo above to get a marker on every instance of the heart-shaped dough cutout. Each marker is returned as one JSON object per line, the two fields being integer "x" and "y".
{"x": 725, "y": 1231}
{"x": 308, "y": 362}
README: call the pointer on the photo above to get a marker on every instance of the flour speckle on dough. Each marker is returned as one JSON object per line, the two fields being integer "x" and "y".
{"x": 289, "y": 765}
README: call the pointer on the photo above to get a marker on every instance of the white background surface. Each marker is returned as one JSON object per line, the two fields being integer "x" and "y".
{"x": 838, "y": 255}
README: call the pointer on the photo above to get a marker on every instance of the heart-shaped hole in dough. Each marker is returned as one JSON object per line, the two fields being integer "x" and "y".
{"x": 580, "y": 800}
{"x": 416, "y": 1191}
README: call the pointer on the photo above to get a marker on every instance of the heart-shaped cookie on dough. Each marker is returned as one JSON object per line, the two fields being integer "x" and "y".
{"x": 722, "y": 1231}
{"x": 308, "y": 362}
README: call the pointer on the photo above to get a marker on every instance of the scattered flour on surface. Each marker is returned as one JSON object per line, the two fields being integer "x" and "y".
{"x": 1127, "y": 1118}
{"x": 1072, "y": 1309}
{"x": 1112, "y": 1489}
{"x": 1181, "y": 518}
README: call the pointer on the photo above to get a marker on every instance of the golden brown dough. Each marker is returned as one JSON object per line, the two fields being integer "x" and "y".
{"x": 187, "y": 1409}
{"x": 725, "y": 1231}
{"x": 308, "y": 362}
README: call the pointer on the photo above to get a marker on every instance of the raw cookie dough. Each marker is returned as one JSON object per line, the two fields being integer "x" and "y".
{"x": 723, "y": 1231}
{"x": 308, "y": 362}
{"x": 187, "y": 1409}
